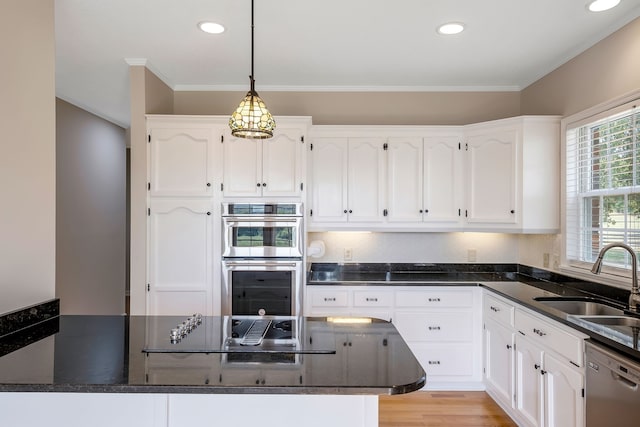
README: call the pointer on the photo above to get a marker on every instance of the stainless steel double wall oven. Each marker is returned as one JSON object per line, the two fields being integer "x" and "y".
{"x": 262, "y": 251}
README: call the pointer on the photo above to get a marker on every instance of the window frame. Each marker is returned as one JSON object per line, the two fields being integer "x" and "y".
{"x": 568, "y": 207}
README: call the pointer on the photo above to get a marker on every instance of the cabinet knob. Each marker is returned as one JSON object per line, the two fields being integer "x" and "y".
{"x": 420, "y": 210}
{"x": 350, "y": 211}
{"x": 543, "y": 372}
{"x": 208, "y": 184}
{"x": 509, "y": 346}
{"x": 536, "y": 366}
{"x": 345, "y": 211}
{"x": 513, "y": 211}
{"x": 264, "y": 184}
{"x": 258, "y": 185}
{"x": 208, "y": 213}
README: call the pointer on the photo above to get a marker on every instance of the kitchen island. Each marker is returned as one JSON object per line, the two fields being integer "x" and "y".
{"x": 117, "y": 370}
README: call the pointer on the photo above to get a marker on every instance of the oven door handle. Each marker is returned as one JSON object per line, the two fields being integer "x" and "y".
{"x": 259, "y": 264}
{"x": 231, "y": 221}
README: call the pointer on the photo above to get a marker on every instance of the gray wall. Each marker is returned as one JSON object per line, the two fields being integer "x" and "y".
{"x": 90, "y": 213}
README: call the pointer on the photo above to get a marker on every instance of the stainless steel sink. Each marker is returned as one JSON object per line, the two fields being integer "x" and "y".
{"x": 580, "y": 306}
{"x": 629, "y": 321}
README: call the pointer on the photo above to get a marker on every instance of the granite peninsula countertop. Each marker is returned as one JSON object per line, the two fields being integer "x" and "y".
{"x": 515, "y": 282}
{"x": 111, "y": 354}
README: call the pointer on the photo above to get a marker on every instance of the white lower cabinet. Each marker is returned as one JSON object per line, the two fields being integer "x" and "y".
{"x": 533, "y": 366}
{"x": 498, "y": 361}
{"x": 441, "y": 324}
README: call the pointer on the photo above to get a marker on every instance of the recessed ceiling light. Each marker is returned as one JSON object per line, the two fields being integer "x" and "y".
{"x": 451, "y": 28}
{"x": 211, "y": 27}
{"x": 601, "y": 5}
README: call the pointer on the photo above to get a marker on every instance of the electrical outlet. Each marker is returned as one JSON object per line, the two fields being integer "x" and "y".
{"x": 471, "y": 255}
{"x": 545, "y": 260}
{"x": 348, "y": 254}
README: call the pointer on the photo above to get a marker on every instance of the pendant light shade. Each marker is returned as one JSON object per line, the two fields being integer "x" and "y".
{"x": 252, "y": 119}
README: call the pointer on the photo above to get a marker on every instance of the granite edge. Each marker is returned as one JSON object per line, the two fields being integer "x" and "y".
{"x": 26, "y": 317}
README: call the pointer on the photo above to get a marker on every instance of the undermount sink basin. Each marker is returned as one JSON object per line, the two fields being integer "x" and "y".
{"x": 633, "y": 322}
{"x": 580, "y": 306}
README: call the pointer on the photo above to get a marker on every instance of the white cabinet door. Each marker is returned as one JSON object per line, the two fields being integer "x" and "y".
{"x": 498, "y": 362}
{"x": 405, "y": 183}
{"x": 529, "y": 390}
{"x": 242, "y": 167}
{"x": 281, "y": 164}
{"x": 492, "y": 176}
{"x": 443, "y": 179}
{"x": 329, "y": 159}
{"x": 564, "y": 388}
{"x": 366, "y": 177}
{"x": 180, "y": 257}
{"x": 180, "y": 162}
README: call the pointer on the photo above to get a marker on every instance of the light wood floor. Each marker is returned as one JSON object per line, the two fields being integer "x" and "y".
{"x": 459, "y": 409}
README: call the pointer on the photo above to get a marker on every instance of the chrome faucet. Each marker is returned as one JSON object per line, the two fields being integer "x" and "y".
{"x": 634, "y": 297}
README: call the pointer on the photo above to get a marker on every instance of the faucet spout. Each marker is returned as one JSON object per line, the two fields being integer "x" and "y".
{"x": 634, "y": 297}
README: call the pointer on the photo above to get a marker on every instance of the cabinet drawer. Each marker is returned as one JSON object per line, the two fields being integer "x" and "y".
{"x": 551, "y": 336}
{"x": 444, "y": 360}
{"x": 435, "y": 327}
{"x": 330, "y": 298}
{"x": 498, "y": 310}
{"x": 372, "y": 299}
{"x": 435, "y": 298}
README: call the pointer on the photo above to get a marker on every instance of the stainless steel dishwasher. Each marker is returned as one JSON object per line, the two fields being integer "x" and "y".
{"x": 613, "y": 397}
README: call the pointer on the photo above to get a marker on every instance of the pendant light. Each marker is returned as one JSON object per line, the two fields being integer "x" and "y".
{"x": 252, "y": 119}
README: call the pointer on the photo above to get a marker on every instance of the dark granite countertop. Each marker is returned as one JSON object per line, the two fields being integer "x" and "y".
{"x": 518, "y": 283}
{"x": 105, "y": 354}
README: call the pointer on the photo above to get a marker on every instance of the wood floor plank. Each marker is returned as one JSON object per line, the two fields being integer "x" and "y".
{"x": 441, "y": 409}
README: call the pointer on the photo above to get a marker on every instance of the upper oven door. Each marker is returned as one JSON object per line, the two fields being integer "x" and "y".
{"x": 251, "y": 237}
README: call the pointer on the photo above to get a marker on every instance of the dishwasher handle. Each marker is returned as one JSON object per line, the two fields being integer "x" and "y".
{"x": 619, "y": 377}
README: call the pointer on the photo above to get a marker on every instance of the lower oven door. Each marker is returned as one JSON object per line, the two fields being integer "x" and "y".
{"x": 262, "y": 287}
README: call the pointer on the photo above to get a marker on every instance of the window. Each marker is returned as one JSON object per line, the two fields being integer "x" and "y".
{"x": 603, "y": 186}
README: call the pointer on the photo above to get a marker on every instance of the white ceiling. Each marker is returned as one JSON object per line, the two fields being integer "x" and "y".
{"x": 331, "y": 45}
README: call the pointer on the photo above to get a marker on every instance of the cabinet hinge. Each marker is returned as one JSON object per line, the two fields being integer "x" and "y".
{"x": 149, "y": 138}
{"x": 302, "y": 139}
{"x": 148, "y": 211}
{"x": 222, "y": 139}
{"x": 148, "y": 287}
{"x": 385, "y": 146}
{"x": 148, "y": 186}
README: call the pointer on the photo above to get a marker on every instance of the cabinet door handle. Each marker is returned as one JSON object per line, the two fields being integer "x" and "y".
{"x": 434, "y": 328}
{"x": 327, "y": 299}
{"x": 496, "y": 309}
{"x": 434, "y": 299}
{"x": 509, "y": 346}
{"x": 539, "y": 332}
{"x": 434, "y": 362}
{"x": 542, "y": 372}
{"x": 536, "y": 366}
{"x": 371, "y": 299}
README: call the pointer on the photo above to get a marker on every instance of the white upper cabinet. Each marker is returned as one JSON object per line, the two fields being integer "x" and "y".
{"x": 366, "y": 177}
{"x": 264, "y": 168}
{"x": 425, "y": 180}
{"x": 347, "y": 177}
{"x": 405, "y": 186}
{"x": 180, "y": 161}
{"x": 513, "y": 175}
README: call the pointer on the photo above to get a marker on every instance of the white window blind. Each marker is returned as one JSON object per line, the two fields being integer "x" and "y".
{"x": 603, "y": 186}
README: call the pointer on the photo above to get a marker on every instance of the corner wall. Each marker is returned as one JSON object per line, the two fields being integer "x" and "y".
{"x": 27, "y": 154}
